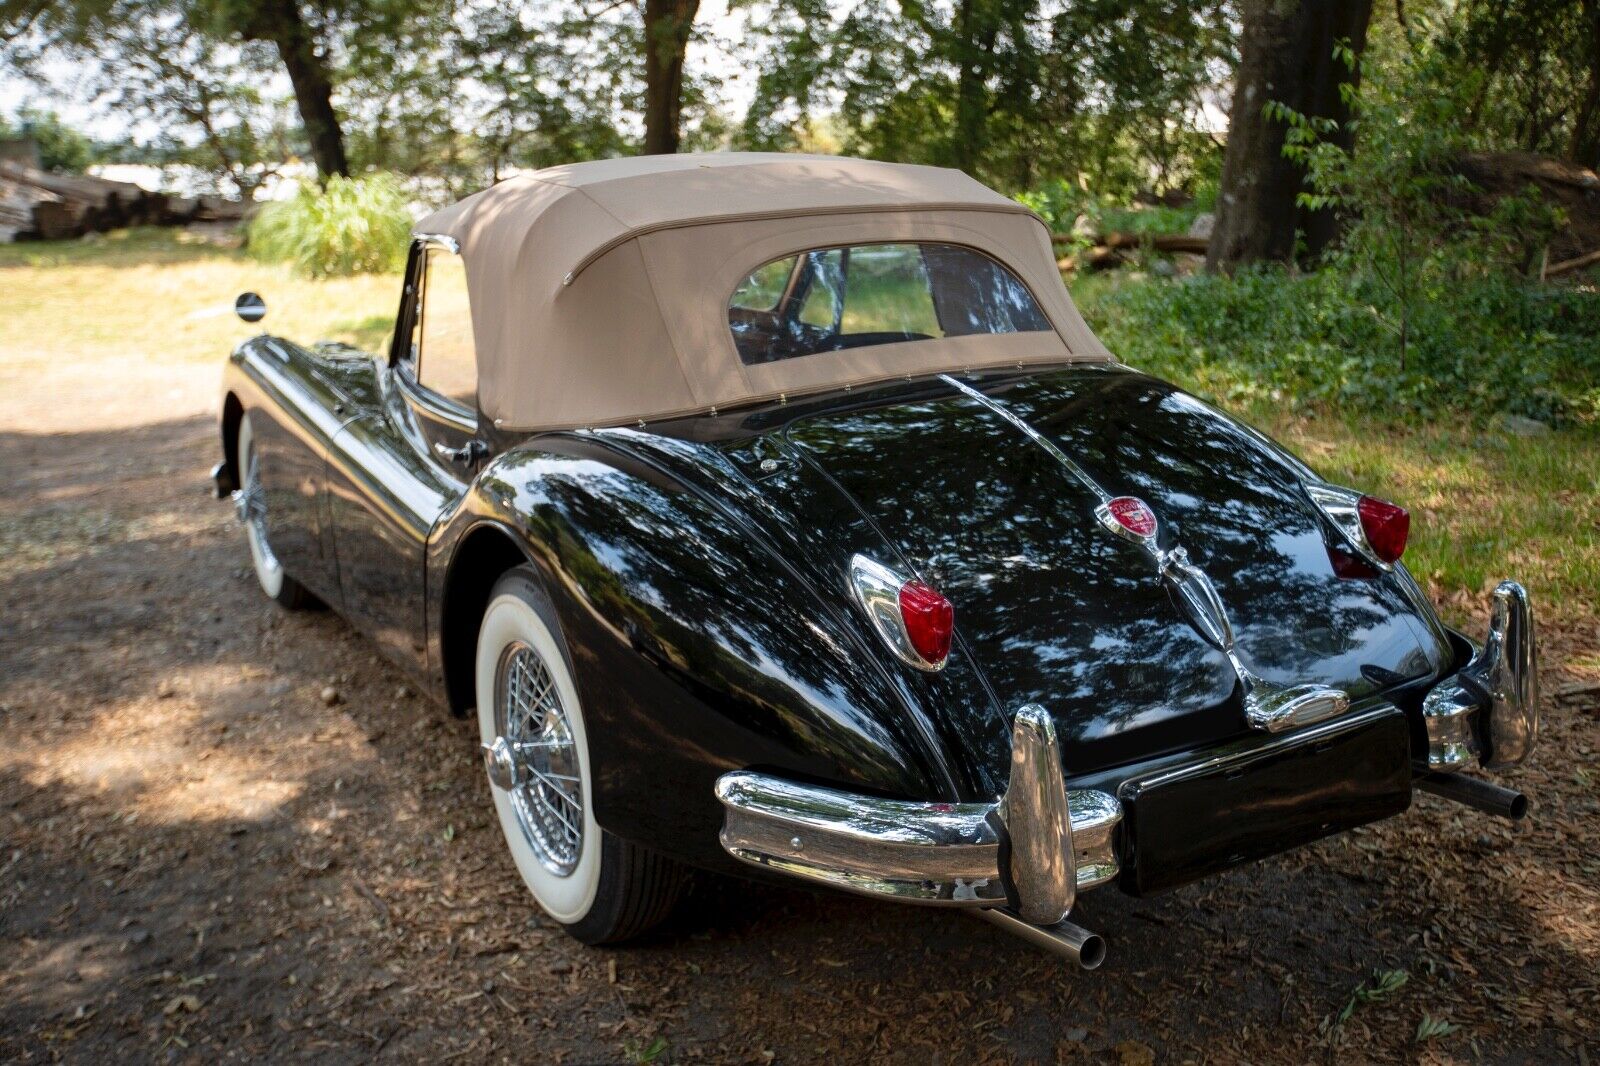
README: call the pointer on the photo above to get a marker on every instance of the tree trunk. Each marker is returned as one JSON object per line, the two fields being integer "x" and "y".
{"x": 279, "y": 21}
{"x": 1584, "y": 147}
{"x": 666, "y": 38}
{"x": 1286, "y": 56}
{"x": 973, "y": 48}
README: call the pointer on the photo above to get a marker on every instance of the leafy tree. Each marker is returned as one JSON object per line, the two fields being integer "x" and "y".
{"x": 61, "y": 148}
{"x": 1538, "y": 63}
{"x": 1010, "y": 90}
{"x": 148, "y": 62}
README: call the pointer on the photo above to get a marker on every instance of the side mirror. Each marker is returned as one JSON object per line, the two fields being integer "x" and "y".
{"x": 250, "y": 307}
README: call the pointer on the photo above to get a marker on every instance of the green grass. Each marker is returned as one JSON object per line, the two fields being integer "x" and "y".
{"x": 168, "y": 295}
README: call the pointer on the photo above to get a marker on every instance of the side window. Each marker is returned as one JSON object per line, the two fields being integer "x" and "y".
{"x": 446, "y": 359}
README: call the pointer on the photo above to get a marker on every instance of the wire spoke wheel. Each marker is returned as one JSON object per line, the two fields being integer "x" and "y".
{"x": 546, "y": 777}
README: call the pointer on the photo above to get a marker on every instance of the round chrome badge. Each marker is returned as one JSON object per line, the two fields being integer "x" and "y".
{"x": 1129, "y": 517}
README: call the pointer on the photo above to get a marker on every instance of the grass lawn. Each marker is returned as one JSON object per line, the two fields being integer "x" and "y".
{"x": 1485, "y": 505}
{"x": 168, "y": 295}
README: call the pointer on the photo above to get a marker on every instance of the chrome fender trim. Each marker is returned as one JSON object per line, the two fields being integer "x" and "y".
{"x": 1489, "y": 710}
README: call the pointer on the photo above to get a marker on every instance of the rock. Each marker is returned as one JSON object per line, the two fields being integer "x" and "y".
{"x": 1519, "y": 426}
{"x": 1163, "y": 268}
{"x": 330, "y": 695}
{"x": 1202, "y": 225}
{"x": 165, "y": 690}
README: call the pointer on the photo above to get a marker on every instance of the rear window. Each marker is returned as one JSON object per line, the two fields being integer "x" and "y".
{"x": 830, "y": 299}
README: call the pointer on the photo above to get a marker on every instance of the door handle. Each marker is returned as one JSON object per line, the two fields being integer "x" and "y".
{"x": 465, "y": 455}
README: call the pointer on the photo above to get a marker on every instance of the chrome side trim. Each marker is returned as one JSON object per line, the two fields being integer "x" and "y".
{"x": 1037, "y": 815}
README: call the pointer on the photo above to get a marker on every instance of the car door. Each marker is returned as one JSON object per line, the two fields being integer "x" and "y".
{"x": 395, "y": 468}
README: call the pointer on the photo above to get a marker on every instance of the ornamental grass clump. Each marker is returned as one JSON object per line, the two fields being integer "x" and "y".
{"x": 350, "y": 226}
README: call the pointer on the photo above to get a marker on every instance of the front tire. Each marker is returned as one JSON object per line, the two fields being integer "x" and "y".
{"x": 251, "y": 504}
{"x": 601, "y": 888}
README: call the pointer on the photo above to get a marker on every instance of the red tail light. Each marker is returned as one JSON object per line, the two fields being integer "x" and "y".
{"x": 1386, "y": 525}
{"x": 929, "y": 619}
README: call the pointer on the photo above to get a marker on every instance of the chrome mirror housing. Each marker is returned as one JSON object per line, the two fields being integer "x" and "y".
{"x": 250, "y": 307}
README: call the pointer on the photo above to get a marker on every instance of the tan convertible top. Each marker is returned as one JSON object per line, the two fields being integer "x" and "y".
{"x": 600, "y": 290}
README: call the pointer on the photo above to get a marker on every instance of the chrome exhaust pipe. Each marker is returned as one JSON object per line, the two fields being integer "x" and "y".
{"x": 1066, "y": 939}
{"x": 1477, "y": 793}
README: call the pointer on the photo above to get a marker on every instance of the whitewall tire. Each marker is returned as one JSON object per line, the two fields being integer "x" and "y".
{"x": 536, "y": 751}
{"x": 251, "y": 505}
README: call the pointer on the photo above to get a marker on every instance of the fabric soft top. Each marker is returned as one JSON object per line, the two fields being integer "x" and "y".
{"x": 599, "y": 291}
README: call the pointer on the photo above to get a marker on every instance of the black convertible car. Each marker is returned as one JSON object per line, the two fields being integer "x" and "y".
{"x": 781, "y": 513}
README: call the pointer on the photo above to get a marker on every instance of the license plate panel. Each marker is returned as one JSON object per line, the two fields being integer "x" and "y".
{"x": 1187, "y": 823}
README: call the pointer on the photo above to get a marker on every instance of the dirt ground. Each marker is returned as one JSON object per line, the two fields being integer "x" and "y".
{"x": 202, "y": 859}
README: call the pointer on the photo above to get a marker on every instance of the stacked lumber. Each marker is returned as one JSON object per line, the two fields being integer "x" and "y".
{"x": 39, "y": 205}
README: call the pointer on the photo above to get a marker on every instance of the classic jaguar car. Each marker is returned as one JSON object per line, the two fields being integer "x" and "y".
{"x": 781, "y": 515}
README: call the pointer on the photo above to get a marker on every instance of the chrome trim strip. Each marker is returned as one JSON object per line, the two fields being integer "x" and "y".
{"x": 1032, "y": 434}
{"x": 1244, "y": 752}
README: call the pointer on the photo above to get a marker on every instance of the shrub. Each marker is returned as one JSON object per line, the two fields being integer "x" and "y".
{"x": 1480, "y": 345}
{"x": 351, "y": 226}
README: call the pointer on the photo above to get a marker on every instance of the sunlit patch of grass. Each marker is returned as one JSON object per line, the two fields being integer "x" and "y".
{"x": 168, "y": 295}
{"x": 1484, "y": 505}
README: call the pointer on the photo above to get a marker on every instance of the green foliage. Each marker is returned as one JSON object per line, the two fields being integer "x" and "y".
{"x": 1482, "y": 344}
{"x": 1431, "y": 1027}
{"x": 1377, "y": 988}
{"x": 61, "y": 148}
{"x": 1011, "y": 91}
{"x": 1067, "y": 207}
{"x": 352, "y": 226}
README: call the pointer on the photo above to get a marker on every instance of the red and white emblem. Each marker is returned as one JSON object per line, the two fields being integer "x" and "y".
{"x": 1130, "y": 517}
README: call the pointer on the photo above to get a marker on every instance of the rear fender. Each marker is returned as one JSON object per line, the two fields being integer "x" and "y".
{"x": 696, "y": 649}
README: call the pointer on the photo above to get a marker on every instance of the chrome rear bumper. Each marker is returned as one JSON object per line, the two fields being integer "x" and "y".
{"x": 938, "y": 853}
{"x": 1489, "y": 710}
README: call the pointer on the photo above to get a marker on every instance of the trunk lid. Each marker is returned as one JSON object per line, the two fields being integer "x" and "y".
{"x": 1055, "y": 610}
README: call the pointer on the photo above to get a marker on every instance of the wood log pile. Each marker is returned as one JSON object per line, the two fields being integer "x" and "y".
{"x": 1109, "y": 250}
{"x": 39, "y": 205}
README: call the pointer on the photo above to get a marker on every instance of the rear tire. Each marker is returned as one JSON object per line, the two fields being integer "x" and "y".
{"x": 251, "y": 502}
{"x": 602, "y": 889}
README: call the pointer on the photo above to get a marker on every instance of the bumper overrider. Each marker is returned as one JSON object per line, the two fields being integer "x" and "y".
{"x": 1021, "y": 860}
